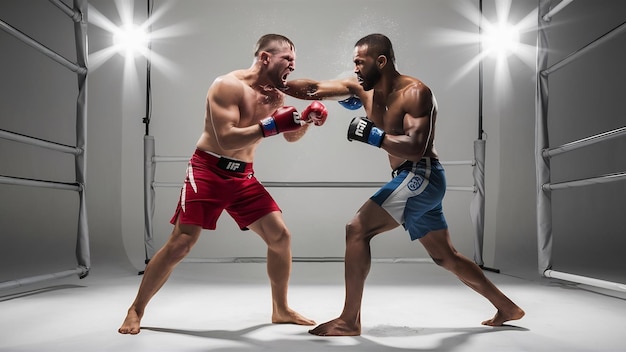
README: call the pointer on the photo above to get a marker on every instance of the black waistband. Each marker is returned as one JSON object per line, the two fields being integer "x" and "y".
{"x": 411, "y": 165}
{"x": 233, "y": 165}
{"x": 224, "y": 163}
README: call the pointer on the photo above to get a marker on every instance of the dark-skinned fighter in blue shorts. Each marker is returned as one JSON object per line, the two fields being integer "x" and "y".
{"x": 401, "y": 115}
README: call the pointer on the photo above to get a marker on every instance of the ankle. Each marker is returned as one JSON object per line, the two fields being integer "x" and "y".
{"x": 136, "y": 311}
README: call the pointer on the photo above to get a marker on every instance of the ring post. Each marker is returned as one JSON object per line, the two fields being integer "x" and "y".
{"x": 148, "y": 195}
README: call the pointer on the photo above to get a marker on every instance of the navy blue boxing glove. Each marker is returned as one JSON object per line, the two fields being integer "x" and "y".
{"x": 363, "y": 130}
{"x": 351, "y": 103}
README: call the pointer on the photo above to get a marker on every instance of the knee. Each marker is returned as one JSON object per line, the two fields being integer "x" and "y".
{"x": 449, "y": 262}
{"x": 354, "y": 231}
{"x": 351, "y": 230}
{"x": 179, "y": 246}
{"x": 280, "y": 240}
{"x": 438, "y": 261}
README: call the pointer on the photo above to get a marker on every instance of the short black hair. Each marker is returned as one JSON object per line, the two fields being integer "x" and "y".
{"x": 378, "y": 44}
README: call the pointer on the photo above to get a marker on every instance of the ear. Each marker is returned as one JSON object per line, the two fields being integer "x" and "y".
{"x": 264, "y": 57}
{"x": 381, "y": 61}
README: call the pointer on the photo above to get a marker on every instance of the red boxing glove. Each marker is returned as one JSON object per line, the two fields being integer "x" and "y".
{"x": 316, "y": 113}
{"x": 284, "y": 119}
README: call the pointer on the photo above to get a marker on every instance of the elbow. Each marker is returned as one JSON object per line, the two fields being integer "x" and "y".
{"x": 290, "y": 138}
{"x": 295, "y": 135}
{"x": 418, "y": 153}
{"x": 413, "y": 152}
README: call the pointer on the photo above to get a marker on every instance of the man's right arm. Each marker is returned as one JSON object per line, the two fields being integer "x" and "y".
{"x": 223, "y": 115}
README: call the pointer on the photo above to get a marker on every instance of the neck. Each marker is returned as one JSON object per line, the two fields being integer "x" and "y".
{"x": 256, "y": 80}
{"x": 387, "y": 82}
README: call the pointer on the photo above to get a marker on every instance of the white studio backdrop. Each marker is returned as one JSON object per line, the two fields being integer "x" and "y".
{"x": 215, "y": 37}
{"x": 222, "y": 40}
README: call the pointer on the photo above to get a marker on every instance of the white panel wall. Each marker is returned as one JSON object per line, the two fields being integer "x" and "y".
{"x": 215, "y": 37}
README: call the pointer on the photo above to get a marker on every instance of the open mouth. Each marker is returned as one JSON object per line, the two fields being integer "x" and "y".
{"x": 284, "y": 76}
{"x": 283, "y": 81}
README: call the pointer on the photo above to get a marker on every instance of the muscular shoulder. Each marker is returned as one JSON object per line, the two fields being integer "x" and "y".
{"x": 226, "y": 88}
{"x": 416, "y": 96}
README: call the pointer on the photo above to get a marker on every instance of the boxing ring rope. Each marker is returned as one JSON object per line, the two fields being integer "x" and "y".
{"x": 543, "y": 152}
{"x": 78, "y": 14}
{"x": 150, "y": 184}
{"x": 477, "y": 205}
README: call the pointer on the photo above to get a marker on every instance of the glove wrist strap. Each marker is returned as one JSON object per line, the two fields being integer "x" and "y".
{"x": 268, "y": 127}
{"x": 375, "y": 137}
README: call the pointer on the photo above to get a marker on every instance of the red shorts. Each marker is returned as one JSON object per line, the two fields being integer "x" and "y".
{"x": 215, "y": 183}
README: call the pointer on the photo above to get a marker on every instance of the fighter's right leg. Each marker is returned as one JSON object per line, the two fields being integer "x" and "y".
{"x": 369, "y": 221}
{"x": 157, "y": 271}
{"x": 439, "y": 247}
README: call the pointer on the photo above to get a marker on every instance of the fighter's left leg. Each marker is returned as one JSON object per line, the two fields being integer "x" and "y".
{"x": 274, "y": 232}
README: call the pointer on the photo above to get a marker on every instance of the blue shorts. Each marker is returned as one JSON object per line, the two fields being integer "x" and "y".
{"x": 413, "y": 197}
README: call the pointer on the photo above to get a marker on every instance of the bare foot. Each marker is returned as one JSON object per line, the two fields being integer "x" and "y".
{"x": 131, "y": 323}
{"x": 501, "y": 317}
{"x": 290, "y": 317}
{"x": 336, "y": 327}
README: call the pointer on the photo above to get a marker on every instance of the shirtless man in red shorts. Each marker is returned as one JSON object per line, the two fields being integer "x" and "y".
{"x": 242, "y": 108}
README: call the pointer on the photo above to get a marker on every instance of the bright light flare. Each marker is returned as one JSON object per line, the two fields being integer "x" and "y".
{"x": 131, "y": 40}
{"x": 501, "y": 39}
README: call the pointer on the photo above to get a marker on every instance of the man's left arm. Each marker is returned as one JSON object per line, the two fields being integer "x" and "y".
{"x": 417, "y": 127}
{"x": 413, "y": 143}
{"x": 315, "y": 113}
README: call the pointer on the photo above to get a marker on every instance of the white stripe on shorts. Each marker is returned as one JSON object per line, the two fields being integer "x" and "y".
{"x": 192, "y": 181}
{"x": 411, "y": 186}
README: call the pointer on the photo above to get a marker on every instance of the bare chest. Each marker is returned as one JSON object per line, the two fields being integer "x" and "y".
{"x": 258, "y": 105}
{"x": 387, "y": 115}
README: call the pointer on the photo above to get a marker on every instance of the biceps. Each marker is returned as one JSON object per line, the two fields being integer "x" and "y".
{"x": 223, "y": 117}
{"x": 418, "y": 129}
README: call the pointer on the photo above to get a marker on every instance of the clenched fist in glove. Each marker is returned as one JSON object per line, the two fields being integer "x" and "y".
{"x": 284, "y": 119}
{"x": 363, "y": 130}
{"x": 316, "y": 113}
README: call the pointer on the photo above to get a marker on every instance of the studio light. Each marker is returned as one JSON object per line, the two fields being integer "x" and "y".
{"x": 131, "y": 40}
{"x": 501, "y": 39}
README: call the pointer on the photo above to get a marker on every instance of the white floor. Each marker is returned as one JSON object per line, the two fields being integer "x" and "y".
{"x": 226, "y": 307}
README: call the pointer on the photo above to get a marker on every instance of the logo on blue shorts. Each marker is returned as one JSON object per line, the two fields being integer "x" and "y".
{"x": 415, "y": 183}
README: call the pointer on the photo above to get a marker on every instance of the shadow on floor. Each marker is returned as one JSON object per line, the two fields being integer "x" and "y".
{"x": 376, "y": 339}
